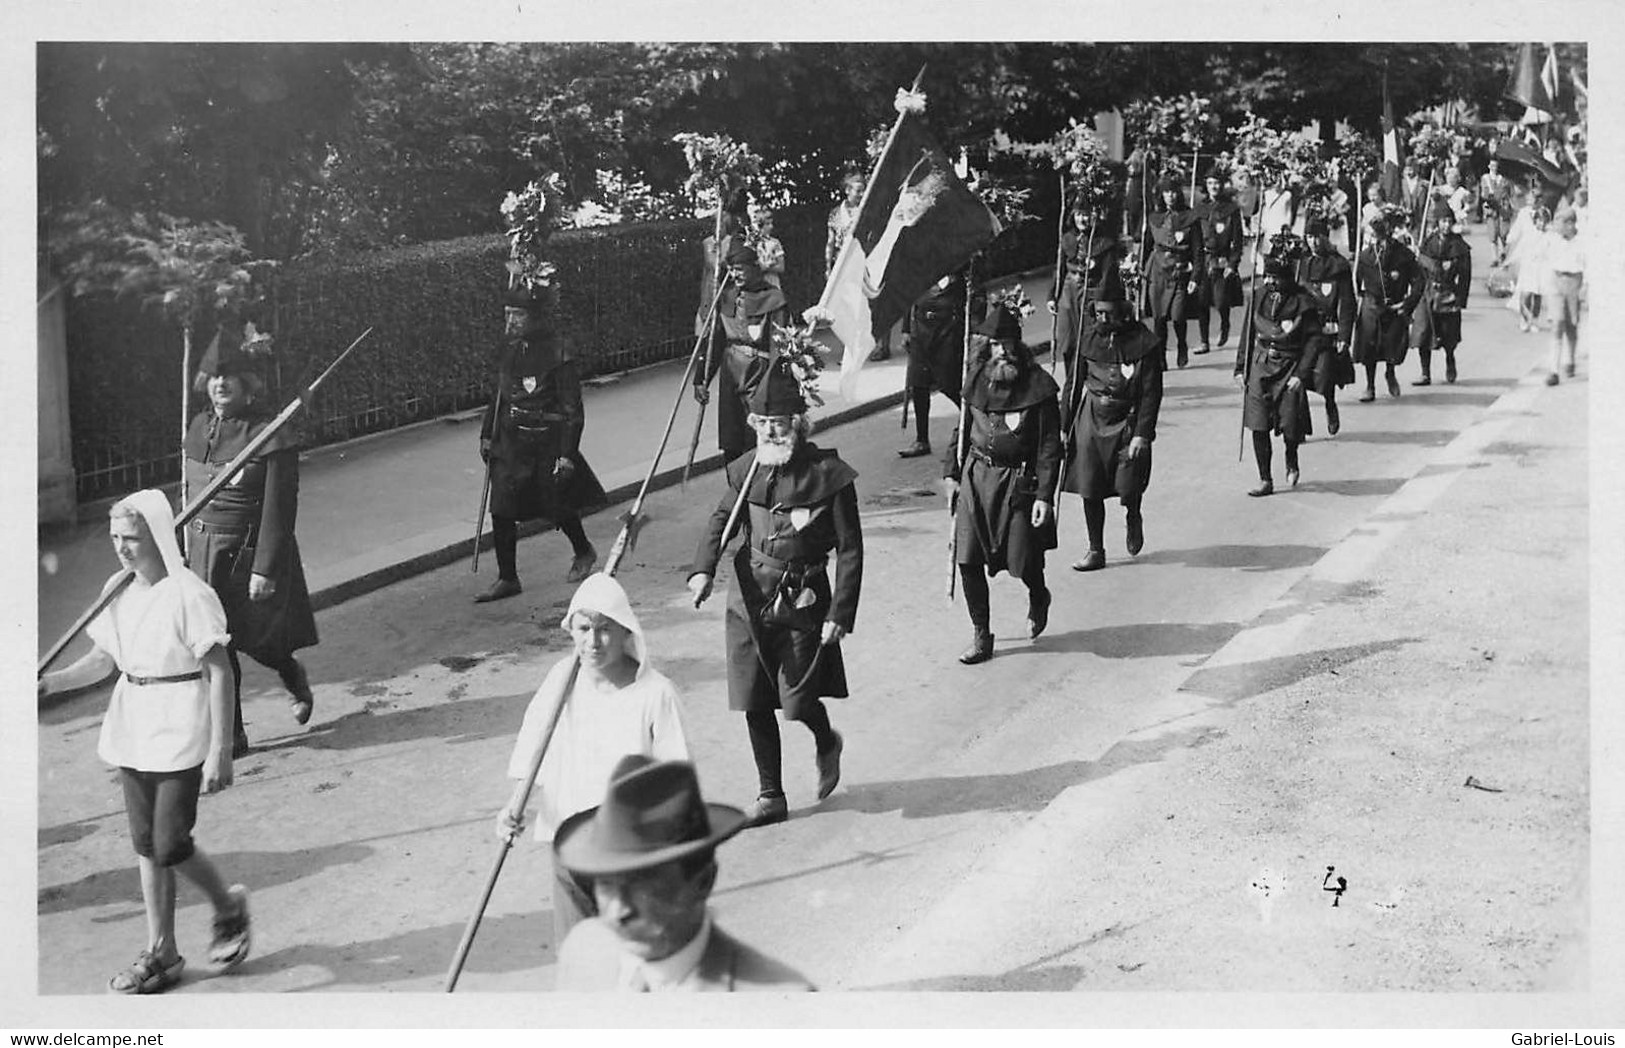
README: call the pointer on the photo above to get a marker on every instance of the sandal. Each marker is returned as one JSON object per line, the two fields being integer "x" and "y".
{"x": 147, "y": 974}
{"x": 229, "y": 947}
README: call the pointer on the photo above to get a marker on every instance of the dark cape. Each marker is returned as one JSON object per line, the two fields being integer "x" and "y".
{"x": 1286, "y": 322}
{"x": 1394, "y": 279}
{"x": 1086, "y": 263}
{"x": 1176, "y": 259}
{"x": 247, "y": 528}
{"x": 796, "y": 516}
{"x": 1118, "y": 399}
{"x": 537, "y": 419}
{"x": 1008, "y": 468}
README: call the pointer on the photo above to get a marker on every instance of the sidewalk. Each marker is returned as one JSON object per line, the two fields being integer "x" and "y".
{"x": 388, "y": 506}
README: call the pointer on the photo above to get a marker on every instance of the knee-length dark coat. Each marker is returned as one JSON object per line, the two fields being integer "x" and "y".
{"x": 246, "y": 529}
{"x": 1087, "y": 262}
{"x": 1283, "y": 344}
{"x": 738, "y": 358}
{"x": 796, "y": 516}
{"x": 935, "y": 329}
{"x": 1328, "y": 279}
{"x": 1121, "y": 395}
{"x": 1386, "y": 275}
{"x": 537, "y": 419}
{"x": 1221, "y": 245}
{"x": 1014, "y": 458}
{"x": 1447, "y": 273}
{"x": 1177, "y": 258}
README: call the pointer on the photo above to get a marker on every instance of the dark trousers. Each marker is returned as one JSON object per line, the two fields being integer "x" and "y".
{"x": 1094, "y": 518}
{"x": 1263, "y": 452}
{"x": 1224, "y": 322}
{"x": 505, "y": 541}
{"x": 973, "y": 580}
{"x": 920, "y": 401}
{"x": 767, "y": 749}
{"x": 162, "y": 809}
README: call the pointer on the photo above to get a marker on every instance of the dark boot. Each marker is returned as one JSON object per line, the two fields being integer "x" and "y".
{"x": 297, "y": 682}
{"x": 1393, "y": 382}
{"x": 1136, "y": 530}
{"x": 1038, "y": 602}
{"x": 1450, "y": 366}
{"x": 1333, "y": 421}
{"x": 981, "y": 647}
{"x": 501, "y": 589}
{"x": 1427, "y": 371}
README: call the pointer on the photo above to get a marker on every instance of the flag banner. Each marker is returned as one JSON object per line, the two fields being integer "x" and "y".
{"x": 1392, "y": 157}
{"x": 1528, "y": 86}
{"x": 919, "y": 222}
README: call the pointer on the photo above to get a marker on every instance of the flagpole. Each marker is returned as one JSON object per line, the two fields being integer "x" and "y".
{"x": 962, "y": 436}
{"x": 868, "y": 188}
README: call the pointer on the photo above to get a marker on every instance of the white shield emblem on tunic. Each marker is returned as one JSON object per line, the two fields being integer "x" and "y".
{"x": 801, "y": 516}
{"x": 755, "y": 331}
{"x": 529, "y": 382}
{"x": 1179, "y": 238}
{"x": 1326, "y": 288}
{"x": 1393, "y": 274}
{"x": 1288, "y": 324}
{"x": 1012, "y": 420}
{"x": 1127, "y": 369}
{"x": 1218, "y": 227}
{"x": 1447, "y": 263}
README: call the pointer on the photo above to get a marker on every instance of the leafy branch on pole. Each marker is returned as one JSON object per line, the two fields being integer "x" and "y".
{"x": 184, "y": 269}
{"x": 532, "y": 214}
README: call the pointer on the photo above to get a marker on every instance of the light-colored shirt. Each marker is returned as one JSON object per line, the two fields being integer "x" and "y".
{"x": 160, "y": 630}
{"x": 668, "y": 974}
{"x": 598, "y": 727}
{"x": 1565, "y": 255}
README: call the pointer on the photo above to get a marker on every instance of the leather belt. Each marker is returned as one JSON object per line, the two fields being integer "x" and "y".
{"x": 208, "y": 527}
{"x": 979, "y": 453}
{"x": 777, "y": 564}
{"x": 173, "y": 678}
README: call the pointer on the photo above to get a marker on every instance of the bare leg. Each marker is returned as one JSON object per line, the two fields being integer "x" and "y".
{"x": 158, "y": 898}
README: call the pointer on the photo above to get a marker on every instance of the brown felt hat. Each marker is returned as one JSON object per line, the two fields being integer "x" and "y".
{"x": 653, "y": 814}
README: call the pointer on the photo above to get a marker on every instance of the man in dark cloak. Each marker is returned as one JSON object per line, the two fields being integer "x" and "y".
{"x": 1389, "y": 283}
{"x": 1282, "y": 346}
{"x": 934, "y": 337}
{"x": 530, "y": 439}
{"x": 1220, "y": 218}
{"x": 242, "y": 542}
{"x": 747, "y": 313}
{"x": 1001, "y": 494}
{"x": 1327, "y": 277}
{"x": 1177, "y": 260}
{"x": 1113, "y": 420}
{"x": 1090, "y": 254}
{"x": 785, "y": 618}
{"x": 1447, "y": 268}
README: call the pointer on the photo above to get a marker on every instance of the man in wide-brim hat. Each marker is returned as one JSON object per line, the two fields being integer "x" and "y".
{"x": 242, "y": 542}
{"x": 649, "y": 851}
{"x": 531, "y": 440}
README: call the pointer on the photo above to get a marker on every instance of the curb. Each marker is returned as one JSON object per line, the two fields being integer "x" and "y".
{"x": 421, "y": 563}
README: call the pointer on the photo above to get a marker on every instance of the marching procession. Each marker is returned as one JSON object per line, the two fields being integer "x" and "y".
{"x": 1317, "y": 262}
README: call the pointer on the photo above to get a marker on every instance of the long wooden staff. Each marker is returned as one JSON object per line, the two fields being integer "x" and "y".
{"x": 1055, "y": 280}
{"x": 1247, "y": 327}
{"x": 718, "y": 270}
{"x": 632, "y": 520}
{"x": 485, "y": 489}
{"x": 201, "y": 499}
{"x": 1073, "y": 366}
{"x": 962, "y": 437}
{"x": 1142, "y": 261}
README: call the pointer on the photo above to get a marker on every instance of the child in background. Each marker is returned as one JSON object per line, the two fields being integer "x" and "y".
{"x": 769, "y": 251}
{"x": 1566, "y": 263}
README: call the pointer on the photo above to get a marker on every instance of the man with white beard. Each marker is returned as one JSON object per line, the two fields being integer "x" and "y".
{"x": 1001, "y": 493}
{"x": 785, "y": 620}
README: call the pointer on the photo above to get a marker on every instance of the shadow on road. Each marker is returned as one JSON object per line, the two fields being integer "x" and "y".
{"x": 458, "y": 721}
{"x": 263, "y": 869}
{"x": 1247, "y": 558}
{"x": 1026, "y": 791}
{"x": 1378, "y": 486}
{"x": 508, "y": 943}
{"x": 1428, "y": 438}
{"x": 1232, "y": 684}
{"x": 1146, "y": 639}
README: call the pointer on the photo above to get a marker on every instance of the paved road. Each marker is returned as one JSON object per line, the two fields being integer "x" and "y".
{"x": 1008, "y": 826}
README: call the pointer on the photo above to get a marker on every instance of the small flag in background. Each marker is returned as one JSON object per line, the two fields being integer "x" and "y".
{"x": 1535, "y": 90}
{"x": 919, "y": 222}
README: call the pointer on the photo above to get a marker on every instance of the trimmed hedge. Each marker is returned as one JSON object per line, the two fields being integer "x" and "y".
{"x": 627, "y": 297}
